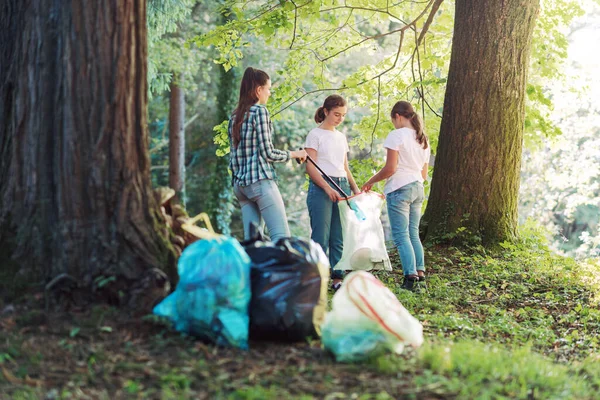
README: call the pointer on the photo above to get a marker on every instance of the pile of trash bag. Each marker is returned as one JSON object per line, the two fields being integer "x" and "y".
{"x": 367, "y": 320}
{"x": 364, "y": 240}
{"x": 228, "y": 293}
{"x": 289, "y": 289}
{"x": 212, "y": 297}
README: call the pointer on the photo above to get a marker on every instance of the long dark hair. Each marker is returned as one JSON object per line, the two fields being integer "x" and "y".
{"x": 252, "y": 79}
{"x": 405, "y": 109}
{"x": 330, "y": 103}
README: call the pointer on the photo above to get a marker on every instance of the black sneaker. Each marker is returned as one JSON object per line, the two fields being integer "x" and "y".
{"x": 410, "y": 282}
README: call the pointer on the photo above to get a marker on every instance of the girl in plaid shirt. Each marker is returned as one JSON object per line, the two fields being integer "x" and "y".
{"x": 251, "y": 157}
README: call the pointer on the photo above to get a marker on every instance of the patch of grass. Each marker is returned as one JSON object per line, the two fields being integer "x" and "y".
{"x": 260, "y": 393}
{"x": 517, "y": 322}
{"x": 521, "y": 294}
{"x": 486, "y": 371}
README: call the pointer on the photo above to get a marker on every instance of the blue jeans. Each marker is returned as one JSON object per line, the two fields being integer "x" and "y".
{"x": 404, "y": 210}
{"x": 262, "y": 199}
{"x": 325, "y": 222}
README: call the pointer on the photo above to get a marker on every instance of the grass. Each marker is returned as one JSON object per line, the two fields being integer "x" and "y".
{"x": 518, "y": 323}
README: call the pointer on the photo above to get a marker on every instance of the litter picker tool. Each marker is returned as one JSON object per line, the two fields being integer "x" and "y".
{"x": 352, "y": 204}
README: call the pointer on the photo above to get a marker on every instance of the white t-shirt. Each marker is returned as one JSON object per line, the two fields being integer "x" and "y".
{"x": 331, "y": 147}
{"x": 411, "y": 158}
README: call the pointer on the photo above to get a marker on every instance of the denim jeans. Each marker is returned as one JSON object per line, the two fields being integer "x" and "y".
{"x": 262, "y": 199}
{"x": 404, "y": 211}
{"x": 325, "y": 222}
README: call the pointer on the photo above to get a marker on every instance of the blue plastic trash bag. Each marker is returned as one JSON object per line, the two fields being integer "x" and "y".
{"x": 366, "y": 320}
{"x": 212, "y": 296}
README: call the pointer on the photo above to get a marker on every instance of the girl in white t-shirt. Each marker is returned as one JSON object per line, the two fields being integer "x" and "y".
{"x": 328, "y": 147}
{"x": 405, "y": 170}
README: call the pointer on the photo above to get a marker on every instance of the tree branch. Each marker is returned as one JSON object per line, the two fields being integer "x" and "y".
{"x": 434, "y": 9}
{"x": 295, "y": 23}
{"x": 378, "y": 111}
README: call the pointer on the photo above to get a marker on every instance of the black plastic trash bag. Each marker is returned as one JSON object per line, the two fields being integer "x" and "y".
{"x": 289, "y": 289}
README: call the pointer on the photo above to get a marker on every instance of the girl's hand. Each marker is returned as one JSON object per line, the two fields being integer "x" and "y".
{"x": 367, "y": 186}
{"x": 300, "y": 155}
{"x": 333, "y": 195}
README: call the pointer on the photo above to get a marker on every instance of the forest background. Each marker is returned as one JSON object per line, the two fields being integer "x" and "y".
{"x": 194, "y": 50}
{"x": 85, "y": 250}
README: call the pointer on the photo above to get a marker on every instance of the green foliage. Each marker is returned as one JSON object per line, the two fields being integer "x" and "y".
{"x": 166, "y": 56}
{"x": 323, "y": 40}
{"x": 163, "y": 16}
{"x": 221, "y": 138}
{"x": 362, "y": 41}
{"x": 312, "y": 49}
{"x": 547, "y": 63}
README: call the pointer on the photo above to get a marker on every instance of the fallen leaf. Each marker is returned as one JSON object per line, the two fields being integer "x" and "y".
{"x": 33, "y": 382}
{"x": 10, "y": 377}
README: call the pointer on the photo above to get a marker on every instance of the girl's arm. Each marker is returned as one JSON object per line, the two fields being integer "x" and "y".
{"x": 318, "y": 179}
{"x": 391, "y": 163}
{"x": 424, "y": 171}
{"x": 265, "y": 142}
{"x": 351, "y": 180}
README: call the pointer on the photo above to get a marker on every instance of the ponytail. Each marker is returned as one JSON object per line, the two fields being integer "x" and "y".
{"x": 405, "y": 109}
{"x": 320, "y": 115}
{"x": 252, "y": 79}
{"x": 330, "y": 103}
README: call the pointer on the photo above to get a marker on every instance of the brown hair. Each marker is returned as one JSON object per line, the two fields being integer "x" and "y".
{"x": 405, "y": 109}
{"x": 252, "y": 80}
{"x": 330, "y": 103}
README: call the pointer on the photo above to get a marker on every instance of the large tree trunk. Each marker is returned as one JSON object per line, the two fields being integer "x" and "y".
{"x": 476, "y": 178}
{"x": 74, "y": 168}
{"x": 177, "y": 140}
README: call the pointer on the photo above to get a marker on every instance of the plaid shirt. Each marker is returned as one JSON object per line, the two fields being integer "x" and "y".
{"x": 252, "y": 160}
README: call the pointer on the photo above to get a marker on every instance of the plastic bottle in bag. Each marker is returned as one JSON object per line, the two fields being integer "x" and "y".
{"x": 367, "y": 320}
{"x": 364, "y": 240}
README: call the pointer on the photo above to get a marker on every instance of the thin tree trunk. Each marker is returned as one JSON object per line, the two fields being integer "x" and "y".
{"x": 75, "y": 172}
{"x": 223, "y": 192}
{"x": 177, "y": 140}
{"x": 476, "y": 178}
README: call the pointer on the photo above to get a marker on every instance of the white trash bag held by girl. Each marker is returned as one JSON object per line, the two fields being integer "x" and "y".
{"x": 364, "y": 241}
{"x": 367, "y": 320}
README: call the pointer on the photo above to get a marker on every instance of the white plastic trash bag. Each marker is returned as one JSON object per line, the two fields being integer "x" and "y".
{"x": 367, "y": 320}
{"x": 364, "y": 241}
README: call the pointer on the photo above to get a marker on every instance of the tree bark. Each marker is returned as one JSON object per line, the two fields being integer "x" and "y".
{"x": 74, "y": 171}
{"x": 476, "y": 178}
{"x": 222, "y": 197}
{"x": 177, "y": 140}
{"x": 223, "y": 192}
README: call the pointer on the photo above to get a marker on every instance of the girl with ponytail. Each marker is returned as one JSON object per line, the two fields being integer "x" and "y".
{"x": 328, "y": 147}
{"x": 252, "y": 155}
{"x": 405, "y": 170}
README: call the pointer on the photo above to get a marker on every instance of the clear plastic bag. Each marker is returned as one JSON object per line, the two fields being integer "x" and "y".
{"x": 364, "y": 241}
{"x": 212, "y": 297}
{"x": 367, "y": 320}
